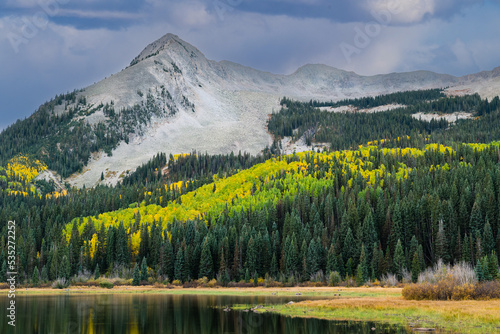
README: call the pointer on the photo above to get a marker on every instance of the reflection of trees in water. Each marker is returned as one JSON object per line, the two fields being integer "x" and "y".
{"x": 169, "y": 314}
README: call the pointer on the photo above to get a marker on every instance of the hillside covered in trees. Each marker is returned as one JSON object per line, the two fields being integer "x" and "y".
{"x": 400, "y": 195}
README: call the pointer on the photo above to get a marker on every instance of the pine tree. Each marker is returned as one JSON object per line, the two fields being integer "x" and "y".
{"x": 493, "y": 265}
{"x": 122, "y": 252}
{"x": 485, "y": 265}
{"x": 144, "y": 244}
{"x": 65, "y": 271}
{"x": 349, "y": 246}
{"x": 498, "y": 239}
{"x": 387, "y": 260}
{"x": 274, "y": 266}
{"x": 359, "y": 275}
{"x": 97, "y": 274}
{"x": 179, "y": 266}
{"x": 44, "y": 275}
{"x": 421, "y": 258}
{"x": 236, "y": 268}
{"x": 36, "y": 277}
{"x": 399, "y": 260}
{"x": 479, "y": 272}
{"x": 441, "y": 246}
{"x": 466, "y": 250}
{"x": 144, "y": 270}
{"x": 363, "y": 264}
{"x": 169, "y": 260}
{"x": 488, "y": 241}
{"x": 476, "y": 219}
{"x": 348, "y": 268}
{"x": 331, "y": 262}
{"x": 312, "y": 259}
{"x": 75, "y": 245}
{"x": 415, "y": 267}
{"x": 136, "y": 278}
{"x": 206, "y": 262}
{"x": 252, "y": 253}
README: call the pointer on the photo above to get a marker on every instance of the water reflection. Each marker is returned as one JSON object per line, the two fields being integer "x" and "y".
{"x": 139, "y": 313}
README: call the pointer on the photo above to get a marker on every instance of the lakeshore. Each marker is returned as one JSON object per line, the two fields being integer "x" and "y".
{"x": 383, "y": 305}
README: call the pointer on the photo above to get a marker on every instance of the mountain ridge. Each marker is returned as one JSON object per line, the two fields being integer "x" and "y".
{"x": 178, "y": 101}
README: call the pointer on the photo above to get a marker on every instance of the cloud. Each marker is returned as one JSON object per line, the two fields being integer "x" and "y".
{"x": 415, "y": 11}
{"x": 99, "y": 14}
{"x": 275, "y": 35}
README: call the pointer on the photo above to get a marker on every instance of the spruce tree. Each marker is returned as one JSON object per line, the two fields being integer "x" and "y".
{"x": 415, "y": 267}
{"x": 348, "y": 268}
{"x": 331, "y": 262}
{"x": 349, "y": 251}
{"x": 479, "y": 272}
{"x": 97, "y": 274}
{"x": 35, "y": 279}
{"x": 363, "y": 264}
{"x": 206, "y": 262}
{"x": 399, "y": 260}
{"x": 441, "y": 247}
{"x": 466, "y": 250}
{"x": 274, "y": 266}
{"x": 488, "y": 241}
{"x": 144, "y": 270}
{"x": 359, "y": 275}
{"x": 312, "y": 259}
{"x": 169, "y": 260}
{"x": 252, "y": 253}
{"x": 136, "y": 277}
{"x": 122, "y": 252}
{"x": 493, "y": 265}
{"x": 476, "y": 219}
{"x": 44, "y": 275}
{"x": 65, "y": 271}
{"x": 179, "y": 266}
{"x": 486, "y": 268}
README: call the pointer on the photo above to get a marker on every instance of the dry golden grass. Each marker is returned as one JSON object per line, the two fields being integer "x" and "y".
{"x": 481, "y": 310}
{"x": 470, "y": 316}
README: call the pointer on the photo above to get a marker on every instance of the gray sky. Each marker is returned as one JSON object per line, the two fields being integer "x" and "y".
{"x": 49, "y": 47}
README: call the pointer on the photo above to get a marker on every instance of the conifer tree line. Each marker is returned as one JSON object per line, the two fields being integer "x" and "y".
{"x": 343, "y": 130}
{"x": 450, "y": 212}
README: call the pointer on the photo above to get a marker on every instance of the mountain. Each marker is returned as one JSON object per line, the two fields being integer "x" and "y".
{"x": 173, "y": 99}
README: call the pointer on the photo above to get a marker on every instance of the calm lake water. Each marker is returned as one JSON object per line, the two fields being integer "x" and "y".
{"x": 187, "y": 314}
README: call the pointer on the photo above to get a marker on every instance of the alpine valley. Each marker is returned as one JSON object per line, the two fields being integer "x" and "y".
{"x": 180, "y": 170}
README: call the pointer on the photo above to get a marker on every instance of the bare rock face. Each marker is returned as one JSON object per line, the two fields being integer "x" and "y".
{"x": 219, "y": 107}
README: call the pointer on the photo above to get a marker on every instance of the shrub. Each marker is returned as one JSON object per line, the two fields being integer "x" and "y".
{"x": 334, "y": 278}
{"x": 318, "y": 277}
{"x": 240, "y": 284}
{"x": 177, "y": 283}
{"x": 451, "y": 290}
{"x": 106, "y": 284}
{"x": 487, "y": 290}
{"x": 461, "y": 273}
{"x": 212, "y": 283}
{"x": 202, "y": 281}
{"x": 389, "y": 280}
{"x": 190, "y": 284}
{"x": 60, "y": 283}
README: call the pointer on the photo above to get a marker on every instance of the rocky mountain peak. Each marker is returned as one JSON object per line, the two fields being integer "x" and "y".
{"x": 168, "y": 42}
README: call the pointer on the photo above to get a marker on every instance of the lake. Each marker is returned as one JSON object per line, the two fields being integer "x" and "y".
{"x": 163, "y": 313}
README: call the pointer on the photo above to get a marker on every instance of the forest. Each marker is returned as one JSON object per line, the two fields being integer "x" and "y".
{"x": 395, "y": 196}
